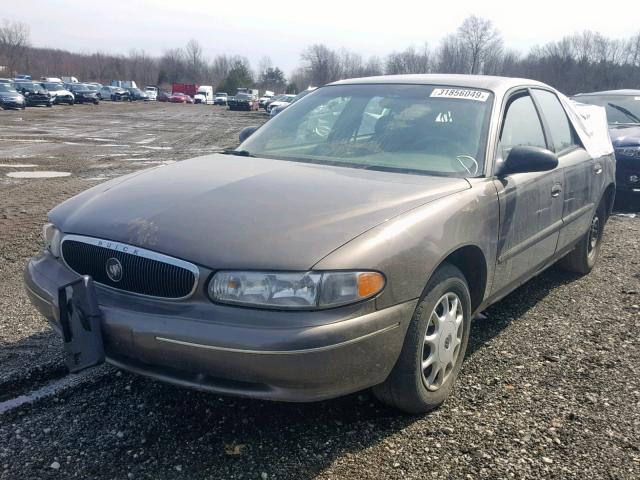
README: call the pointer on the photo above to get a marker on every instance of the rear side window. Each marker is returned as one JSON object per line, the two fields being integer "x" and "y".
{"x": 521, "y": 126}
{"x": 562, "y": 133}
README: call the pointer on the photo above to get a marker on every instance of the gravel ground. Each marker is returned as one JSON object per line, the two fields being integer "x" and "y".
{"x": 550, "y": 387}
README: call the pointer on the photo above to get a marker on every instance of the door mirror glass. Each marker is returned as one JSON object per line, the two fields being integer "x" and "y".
{"x": 523, "y": 159}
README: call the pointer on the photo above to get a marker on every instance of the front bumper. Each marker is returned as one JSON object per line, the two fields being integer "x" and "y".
{"x": 289, "y": 356}
{"x": 33, "y": 100}
{"x": 10, "y": 103}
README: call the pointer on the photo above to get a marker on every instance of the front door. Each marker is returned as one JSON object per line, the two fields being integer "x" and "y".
{"x": 530, "y": 203}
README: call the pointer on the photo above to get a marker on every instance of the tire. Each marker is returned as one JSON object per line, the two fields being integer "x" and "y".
{"x": 583, "y": 258}
{"x": 49, "y": 105}
{"x": 96, "y": 102}
{"x": 406, "y": 387}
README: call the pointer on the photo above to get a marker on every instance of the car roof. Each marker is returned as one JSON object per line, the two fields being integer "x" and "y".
{"x": 485, "y": 82}
{"x": 624, "y": 91}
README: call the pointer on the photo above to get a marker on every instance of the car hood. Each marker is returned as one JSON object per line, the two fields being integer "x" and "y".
{"x": 224, "y": 211}
{"x": 10, "y": 95}
{"x": 624, "y": 135}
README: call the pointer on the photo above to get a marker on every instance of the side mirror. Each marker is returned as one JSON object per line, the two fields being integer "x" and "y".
{"x": 529, "y": 159}
{"x": 246, "y": 132}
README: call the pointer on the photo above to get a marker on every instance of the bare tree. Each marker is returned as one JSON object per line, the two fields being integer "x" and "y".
{"x": 194, "y": 59}
{"x": 480, "y": 39}
{"x": 14, "y": 40}
{"x": 409, "y": 61}
{"x": 323, "y": 64}
{"x": 452, "y": 57}
{"x": 172, "y": 66}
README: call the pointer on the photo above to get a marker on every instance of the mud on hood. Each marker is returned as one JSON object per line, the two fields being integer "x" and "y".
{"x": 223, "y": 211}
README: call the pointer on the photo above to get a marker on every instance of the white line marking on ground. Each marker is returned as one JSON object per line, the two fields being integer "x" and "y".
{"x": 54, "y": 387}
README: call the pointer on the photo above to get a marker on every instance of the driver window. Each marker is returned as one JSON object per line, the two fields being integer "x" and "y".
{"x": 521, "y": 127}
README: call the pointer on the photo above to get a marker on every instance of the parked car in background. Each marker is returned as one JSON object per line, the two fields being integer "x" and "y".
{"x": 275, "y": 98}
{"x": 262, "y": 101}
{"x": 163, "y": 97}
{"x": 623, "y": 115}
{"x": 338, "y": 258}
{"x": 180, "y": 97}
{"x": 51, "y": 79}
{"x": 204, "y": 95}
{"x": 23, "y": 77}
{"x": 69, "y": 80}
{"x": 243, "y": 101}
{"x": 152, "y": 92}
{"x": 10, "y": 98}
{"x": 221, "y": 98}
{"x": 9, "y": 81}
{"x": 137, "y": 94}
{"x": 282, "y": 101}
{"x": 115, "y": 94}
{"x": 276, "y": 110}
{"x": 59, "y": 92}
{"x": 34, "y": 93}
{"x": 84, "y": 94}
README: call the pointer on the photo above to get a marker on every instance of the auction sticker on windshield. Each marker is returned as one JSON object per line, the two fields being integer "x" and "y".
{"x": 463, "y": 94}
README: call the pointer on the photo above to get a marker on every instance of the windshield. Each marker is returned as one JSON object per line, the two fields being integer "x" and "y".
{"x": 243, "y": 96}
{"x": 5, "y": 87}
{"x": 620, "y": 108}
{"x": 408, "y": 128}
{"x": 54, "y": 86}
{"x": 221, "y": 94}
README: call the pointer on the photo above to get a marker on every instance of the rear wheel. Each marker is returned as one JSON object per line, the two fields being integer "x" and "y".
{"x": 434, "y": 346}
{"x": 583, "y": 258}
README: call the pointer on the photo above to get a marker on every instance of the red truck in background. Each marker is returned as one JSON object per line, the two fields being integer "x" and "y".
{"x": 186, "y": 88}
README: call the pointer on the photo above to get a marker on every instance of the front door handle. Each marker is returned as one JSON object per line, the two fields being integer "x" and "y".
{"x": 597, "y": 169}
{"x": 556, "y": 190}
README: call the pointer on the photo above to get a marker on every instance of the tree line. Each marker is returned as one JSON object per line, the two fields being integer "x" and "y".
{"x": 580, "y": 62}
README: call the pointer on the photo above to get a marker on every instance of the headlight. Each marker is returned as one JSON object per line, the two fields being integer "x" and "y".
{"x": 294, "y": 290}
{"x": 52, "y": 237}
{"x": 630, "y": 151}
{"x": 26, "y": 93}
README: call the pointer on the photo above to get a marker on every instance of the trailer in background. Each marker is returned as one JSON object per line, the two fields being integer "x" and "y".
{"x": 186, "y": 88}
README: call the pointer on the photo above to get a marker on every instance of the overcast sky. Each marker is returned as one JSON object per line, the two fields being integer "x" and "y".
{"x": 281, "y": 29}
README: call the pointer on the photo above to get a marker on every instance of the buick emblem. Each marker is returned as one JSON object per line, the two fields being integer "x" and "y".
{"x": 114, "y": 269}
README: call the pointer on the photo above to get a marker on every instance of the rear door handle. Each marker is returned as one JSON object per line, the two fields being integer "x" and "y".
{"x": 597, "y": 169}
{"x": 556, "y": 190}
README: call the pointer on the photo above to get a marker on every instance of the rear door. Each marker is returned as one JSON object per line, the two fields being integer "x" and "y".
{"x": 579, "y": 169}
{"x": 530, "y": 203}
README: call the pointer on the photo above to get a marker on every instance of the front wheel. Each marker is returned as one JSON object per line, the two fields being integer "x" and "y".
{"x": 434, "y": 346}
{"x": 583, "y": 258}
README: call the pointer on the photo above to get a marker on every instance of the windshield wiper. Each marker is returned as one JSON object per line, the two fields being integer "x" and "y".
{"x": 625, "y": 111}
{"x": 239, "y": 153}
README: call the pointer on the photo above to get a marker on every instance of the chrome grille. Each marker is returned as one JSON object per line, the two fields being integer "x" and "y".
{"x": 144, "y": 272}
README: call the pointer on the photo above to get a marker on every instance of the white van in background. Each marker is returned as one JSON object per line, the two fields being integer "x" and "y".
{"x": 204, "y": 95}
{"x": 152, "y": 92}
{"x": 69, "y": 80}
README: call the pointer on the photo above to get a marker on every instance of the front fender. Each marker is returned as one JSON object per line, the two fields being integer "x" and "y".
{"x": 409, "y": 247}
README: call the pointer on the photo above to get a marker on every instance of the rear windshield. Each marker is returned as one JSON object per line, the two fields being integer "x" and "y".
{"x": 408, "y": 128}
